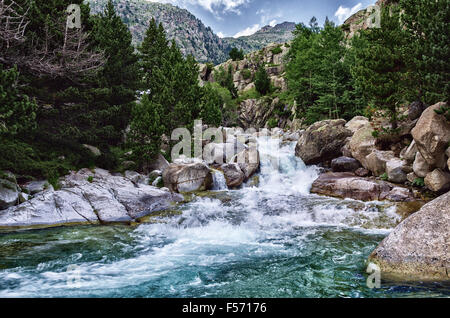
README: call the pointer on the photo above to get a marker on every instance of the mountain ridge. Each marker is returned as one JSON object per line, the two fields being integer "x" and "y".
{"x": 190, "y": 33}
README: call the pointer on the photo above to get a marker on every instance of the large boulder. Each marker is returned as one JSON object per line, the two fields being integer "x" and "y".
{"x": 418, "y": 248}
{"x": 345, "y": 164}
{"x": 438, "y": 180}
{"x": 432, "y": 136}
{"x": 89, "y": 197}
{"x": 322, "y": 141}
{"x": 357, "y": 123}
{"x": 234, "y": 176}
{"x": 377, "y": 160}
{"x": 185, "y": 178}
{"x": 348, "y": 185}
{"x": 362, "y": 144}
{"x": 160, "y": 163}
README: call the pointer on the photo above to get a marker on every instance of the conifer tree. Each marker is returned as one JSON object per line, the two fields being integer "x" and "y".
{"x": 427, "y": 24}
{"x": 380, "y": 68}
{"x": 262, "y": 81}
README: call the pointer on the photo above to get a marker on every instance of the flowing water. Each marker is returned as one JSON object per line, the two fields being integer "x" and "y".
{"x": 273, "y": 239}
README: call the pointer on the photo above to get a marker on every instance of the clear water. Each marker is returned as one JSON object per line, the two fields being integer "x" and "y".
{"x": 274, "y": 240}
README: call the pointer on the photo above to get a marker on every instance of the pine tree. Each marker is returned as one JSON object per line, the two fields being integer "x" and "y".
{"x": 211, "y": 106}
{"x": 380, "y": 63}
{"x": 427, "y": 24}
{"x": 17, "y": 111}
{"x": 262, "y": 81}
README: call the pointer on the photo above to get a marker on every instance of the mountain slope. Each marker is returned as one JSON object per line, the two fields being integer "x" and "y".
{"x": 280, "y": 33}
{"x": 190, "y": 34}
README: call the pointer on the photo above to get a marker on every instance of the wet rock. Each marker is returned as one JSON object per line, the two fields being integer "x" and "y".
{"x": 421, "y": 167}
{"x": 105, "y": 199}
{"x": 377, "y": 160}
{"x": 432, "y": 135}
{"x": 438, "y": 180}
{"x": 417, "y": 249}
{"x": 399, "y": 194}
{"x": 348, "y": 185}
{"x": 411, "y": 177}
{"x": 185, "y": 178}
{"x": 248, "y": 160}
{"x": 345, "y": 164}
{"x": 234, "y": 176}
{"x": 322, "y": 141}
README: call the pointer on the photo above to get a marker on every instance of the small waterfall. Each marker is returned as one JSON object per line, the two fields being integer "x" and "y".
{"x": 219, "y": 182}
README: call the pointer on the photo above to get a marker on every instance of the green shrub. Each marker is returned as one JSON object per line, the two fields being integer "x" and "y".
{"x": 246, "y": 74}
{"x": 90, "y": 179}
{"x": 272, "y": 123}
{"x": 384, "y": 177}
{"x": 419, "y": 182}
{"x": 236, "y": 55}
{"x": 277, "y": 50}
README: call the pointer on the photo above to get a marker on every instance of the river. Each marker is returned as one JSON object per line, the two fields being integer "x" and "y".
{"x": 273, "y": 239}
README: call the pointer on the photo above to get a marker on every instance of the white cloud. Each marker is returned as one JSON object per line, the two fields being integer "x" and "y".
{"x": 248, "y": 31}
{"x": 344, "y": 13}
{"x": 273, "y": 23}
{"x": 220, "y": 35}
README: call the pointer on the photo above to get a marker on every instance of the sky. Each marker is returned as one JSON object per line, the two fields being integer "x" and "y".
{"x": 245, "y": 17}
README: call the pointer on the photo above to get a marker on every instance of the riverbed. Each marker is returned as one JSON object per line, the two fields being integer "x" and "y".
{"x": 272, "y": 238}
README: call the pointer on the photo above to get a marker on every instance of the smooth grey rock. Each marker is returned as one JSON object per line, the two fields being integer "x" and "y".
{"x": 418, "y": 248}
{"x": 185, "y": 178}
{"x": 34, "y": 187}
{"x": 9, "y": 194}
{"x": 233, "y": 175}
{"x": 395, "y": 170}
{"x": 377, "y": 160}
{"x": 106, "y": 199}
{"x": 322, "y": 141}
{"x": 345, "y": 164}
{"x": 362, "y": 144}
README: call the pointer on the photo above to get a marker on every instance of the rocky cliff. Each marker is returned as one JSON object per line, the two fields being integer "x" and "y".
{"x": 190, "y": 34}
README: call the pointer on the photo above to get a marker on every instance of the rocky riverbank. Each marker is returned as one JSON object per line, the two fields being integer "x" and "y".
{"x": 361, "y": 164}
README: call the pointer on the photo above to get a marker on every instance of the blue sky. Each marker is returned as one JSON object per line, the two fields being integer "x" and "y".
{"x": 244, "y": 17}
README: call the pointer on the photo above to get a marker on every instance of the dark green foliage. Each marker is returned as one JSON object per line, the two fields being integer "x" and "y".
{"x": 236, "y": 55}
{"x": 225, "y": 79}
{"x": 318, "y": 74}
{"x": 17, "y": 111}
{"x": 262, "y": 81}
{"x": 211, "y": 107}
{"x": 246, "y": 73}
{"x": 277, "y": 50}
{"x": 380, "y": 68}
{"x": 427, "y": 25}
